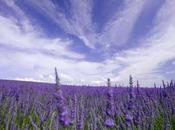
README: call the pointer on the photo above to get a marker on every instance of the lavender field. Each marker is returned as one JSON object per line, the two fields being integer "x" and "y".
{"x": 42, "y": 106}
{"x": 116, "y": 61}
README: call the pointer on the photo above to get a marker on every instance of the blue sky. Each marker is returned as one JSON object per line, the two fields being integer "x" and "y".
{"x": 87, "y": 40}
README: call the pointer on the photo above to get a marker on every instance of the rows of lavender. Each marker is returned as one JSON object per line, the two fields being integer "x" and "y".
{"x": 87, "y": 108}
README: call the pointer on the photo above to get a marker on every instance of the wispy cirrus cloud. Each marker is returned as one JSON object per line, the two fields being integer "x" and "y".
{"x": 156, "y": 49}
{"x": 26, "y": 52}
{"x": 117, "y": 30}
{"x": 79, "y": 22}
{"x": 13, "y": 37}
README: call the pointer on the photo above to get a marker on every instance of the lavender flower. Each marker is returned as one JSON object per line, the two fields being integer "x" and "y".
{"x": 138, "y": 88}
{"x": 109, "y": 122}
{"x": 128, "y": 117}
{"x": 130, "y": 105}
{"x": 80, "y": 123}
{"x": 63, "y": 116}
{"x": 131, "y": 93}
{"x": 163, "y": 83}
{"x": 74, "y": 111}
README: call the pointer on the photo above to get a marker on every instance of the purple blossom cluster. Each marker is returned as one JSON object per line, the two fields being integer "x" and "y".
{"x": 29, "y": 105}
{"x": 63, "y": 115}
{"x": 110, "y": 112}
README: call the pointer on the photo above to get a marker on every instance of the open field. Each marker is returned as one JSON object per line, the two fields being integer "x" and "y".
{"x": 42, "y": 106}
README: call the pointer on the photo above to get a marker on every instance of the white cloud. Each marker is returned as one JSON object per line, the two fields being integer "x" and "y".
{"x": 79, "y": 23}
{"x": 118, "y": 29}
{"x": 11, "y": 35}
{"x": 27, "y": 79}
{"x": 29, "y": 53}
{"x": 156, "y": 48}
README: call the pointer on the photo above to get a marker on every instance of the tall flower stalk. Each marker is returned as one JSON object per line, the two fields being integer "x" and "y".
{"x": 80, "y": 122}
{"x": 137, "y": 114}
{"x": 130, "y": 105}
{"x": 74, "y": 108}
{"x": 74, "y": 111}
{"x": 109, "y": 122}
{"x": 63, "y": 116}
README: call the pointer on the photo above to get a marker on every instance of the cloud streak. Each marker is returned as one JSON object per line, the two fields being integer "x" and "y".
{"x": 156, "y": 49}
{"x": 117, "y": 30}
{"x": 26, "y": 52}
{"x": 114, "y": 33}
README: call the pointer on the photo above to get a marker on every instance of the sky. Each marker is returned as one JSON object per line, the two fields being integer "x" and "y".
{"x": 88, "y": 41}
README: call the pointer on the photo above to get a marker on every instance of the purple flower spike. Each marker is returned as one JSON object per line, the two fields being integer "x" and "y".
{"x": 109, "y": 123}
{"x": 63, "y": 115}
{"x": 80, "y": 123}
{"x": 74, "y": 109}
{"x": 110, "y": 112}
{"x": 130, "y": 107}
{"x": 128, "y": 117}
